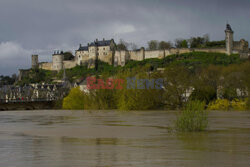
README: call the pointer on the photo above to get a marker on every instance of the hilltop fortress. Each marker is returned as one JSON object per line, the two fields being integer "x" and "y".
{"x": 105, "y": 50}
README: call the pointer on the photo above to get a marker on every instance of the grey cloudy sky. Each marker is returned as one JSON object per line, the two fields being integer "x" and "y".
{"x": 42, "y": 26}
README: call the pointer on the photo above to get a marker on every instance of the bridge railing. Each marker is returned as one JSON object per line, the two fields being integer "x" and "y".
{"x": 26, "y": 100}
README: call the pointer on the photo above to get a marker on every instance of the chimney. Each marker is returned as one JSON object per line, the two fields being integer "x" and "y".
{"x": 103, "y": 39}
{"x": 80, "y": 45}
{"x": 96, "y": 40}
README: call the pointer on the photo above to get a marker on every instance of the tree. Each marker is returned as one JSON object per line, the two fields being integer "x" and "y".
{"x": 153, "y": 45}
{"x": 68, "y": 55}
{"x": 199, "y": 42}
{"x": 181, "y": 43}
{"x": 205, "y": 83}
{"x": 75, "y": 100}
{"x": 165, "y": 45}
{"x": 133, "y": 46}
{"x": 176, "y": 85}
{"x": 122, "y": 45}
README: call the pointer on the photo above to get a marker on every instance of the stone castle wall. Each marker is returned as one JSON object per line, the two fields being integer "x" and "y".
{"x": 45, "y": 66}
{"x": 137, "y": 55}
{"x": 69, "y": 64}
{"x": 121, "y": 57}
{"x": 154, "y": 54}
{"x": 106, "y": 58}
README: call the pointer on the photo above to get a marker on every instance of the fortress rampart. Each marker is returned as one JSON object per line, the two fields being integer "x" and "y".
{"x": 105, "y": 50}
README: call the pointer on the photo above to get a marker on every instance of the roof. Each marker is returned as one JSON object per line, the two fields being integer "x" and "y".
{"x": 96, "y": 43}
{"x": 83, "y": 48}
{"x": 228, "y": 28}
{"x": 101, "y": 43}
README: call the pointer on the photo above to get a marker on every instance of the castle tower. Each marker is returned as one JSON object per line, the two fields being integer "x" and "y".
{"x": 57, "y": 61}
{"x": 229, "y": 39}
{"x": 34, "y": 61}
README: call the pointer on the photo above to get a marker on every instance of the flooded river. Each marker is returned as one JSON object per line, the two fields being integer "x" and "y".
{"x": 120, "y": 139}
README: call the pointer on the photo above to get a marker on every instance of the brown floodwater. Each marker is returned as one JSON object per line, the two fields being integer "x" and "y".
{"x": 120, "y": 139}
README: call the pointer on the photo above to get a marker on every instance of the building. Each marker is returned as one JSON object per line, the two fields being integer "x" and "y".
{"x": 98, "y": 50}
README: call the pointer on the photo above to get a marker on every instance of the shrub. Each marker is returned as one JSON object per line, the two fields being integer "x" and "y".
{"x": 75, "y": 100}
{"x": 239, "y": 105}
{"x": 193, "y": 118}
{"x": 100, "y": 99}
{"x": 224, "y": 104}
{"x": 219, "y": 104}
{"x": 135, "y": 99}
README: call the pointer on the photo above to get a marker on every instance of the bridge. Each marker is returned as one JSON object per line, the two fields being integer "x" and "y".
{"x": 19, "y": 104}
{"x": 31, "y": 97}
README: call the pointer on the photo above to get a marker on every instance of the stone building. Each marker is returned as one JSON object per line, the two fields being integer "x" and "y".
{"x": 98, "y": 50}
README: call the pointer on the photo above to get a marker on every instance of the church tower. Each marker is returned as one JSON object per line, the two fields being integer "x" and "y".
{"x": 229, "y": 39}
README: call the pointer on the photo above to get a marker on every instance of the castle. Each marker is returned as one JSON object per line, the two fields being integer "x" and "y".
{"x": 105, "y": 50}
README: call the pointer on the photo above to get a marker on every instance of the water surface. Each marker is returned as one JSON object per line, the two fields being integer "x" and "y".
{"x": 120, "y": 139}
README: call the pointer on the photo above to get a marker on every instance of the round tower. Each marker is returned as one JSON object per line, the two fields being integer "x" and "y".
{"x": 34, "y": 61}
{"x": 57, "y": 61}
{"x": 229, "y": 39}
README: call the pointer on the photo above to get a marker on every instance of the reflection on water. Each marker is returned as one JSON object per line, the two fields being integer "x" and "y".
{"x": 120, "y": 139}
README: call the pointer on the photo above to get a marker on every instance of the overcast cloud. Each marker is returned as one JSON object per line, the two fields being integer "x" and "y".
{"x": 42, "y": 26}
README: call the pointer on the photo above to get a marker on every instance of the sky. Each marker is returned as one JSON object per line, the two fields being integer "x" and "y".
{"x": 42, "y": 26}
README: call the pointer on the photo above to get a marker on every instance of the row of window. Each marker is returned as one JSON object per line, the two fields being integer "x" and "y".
{"x": 103, "y": 53}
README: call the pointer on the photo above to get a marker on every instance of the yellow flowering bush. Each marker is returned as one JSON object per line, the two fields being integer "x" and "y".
{"x": 239, "y": 105}
{"x": 224, "y": 104}
{"x": 219, "y": 104}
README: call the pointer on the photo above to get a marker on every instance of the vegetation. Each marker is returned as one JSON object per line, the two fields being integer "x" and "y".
{"x": 181, "y": 43}
{"x": 37, "y": 76}
{"x": 225, "y": 105}
{"x": 75, "y": 100}
{"x": 207, "y": 75}
{"x": 193, "y": 118}
{"x": 154, "y": 45}
{"x": 68, "y": 56}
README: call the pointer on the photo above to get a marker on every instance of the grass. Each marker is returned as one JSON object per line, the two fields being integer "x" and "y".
{"x": 193, "y": 118}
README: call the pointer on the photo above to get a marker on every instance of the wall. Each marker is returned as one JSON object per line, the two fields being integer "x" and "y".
{"x": 107, "y": 58}
{"x": 45, "y": 66}
{"x": 154, "y": 54}
{"x": 69, "y": 64}
{"x": 121, "y": 58}
{"x": 137, "y": 55}
{"x": 215, "y": 50}
{"x": 81, "y": 56}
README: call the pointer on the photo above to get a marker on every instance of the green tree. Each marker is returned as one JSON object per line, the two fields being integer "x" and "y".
{"x": 122, "y": 45}
{"x": 181, "y": 43}
{"x": 68, "y": 55}
{"x": 153, "y": 45}
{"x": 176, "y": 84}
{"x": 75, "y": 100}
{"x": 165, "y": 45}
{"x": 205, "y": 82}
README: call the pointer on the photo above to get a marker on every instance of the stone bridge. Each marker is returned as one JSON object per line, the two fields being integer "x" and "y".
{"x": 36, "y": 104}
